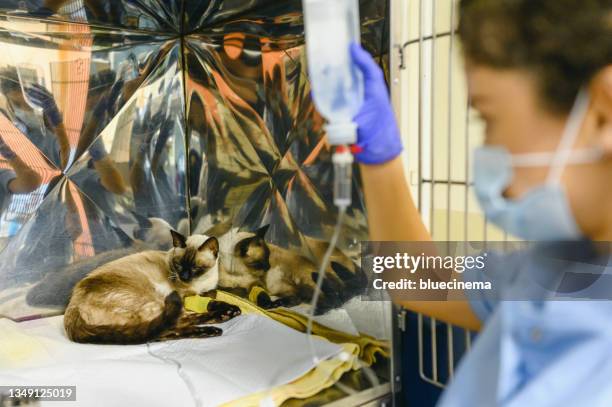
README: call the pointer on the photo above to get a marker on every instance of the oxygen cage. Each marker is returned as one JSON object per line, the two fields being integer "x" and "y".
{"x": 124, "y": 119}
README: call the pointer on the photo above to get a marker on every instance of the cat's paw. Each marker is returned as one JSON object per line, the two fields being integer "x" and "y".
{"x": 264, "y": 301}
{"x": 191, "y": 332}
{"x": 209, "y": 294}
{"x": 208, "y": 331}
{"x": 354, "y": 282}
{"x": 331, "y": 294}
{"x": 223, "y": 311}
{"x": 285, "y": 302}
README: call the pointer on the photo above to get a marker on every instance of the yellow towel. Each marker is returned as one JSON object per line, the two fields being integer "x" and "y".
{"x": 369, "y": 347}
{"x": 325, "y": 374}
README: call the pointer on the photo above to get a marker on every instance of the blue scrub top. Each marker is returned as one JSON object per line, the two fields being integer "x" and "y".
{"x": 537, "y": 352}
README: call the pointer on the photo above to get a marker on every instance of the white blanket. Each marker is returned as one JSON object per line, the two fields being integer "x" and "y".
{"x": 253, "y": 354}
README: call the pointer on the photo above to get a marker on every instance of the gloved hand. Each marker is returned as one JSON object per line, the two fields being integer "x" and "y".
{"x": 44, "y": 100}
{"x": 378, "y": 135}
{"x": 6, "y": 151}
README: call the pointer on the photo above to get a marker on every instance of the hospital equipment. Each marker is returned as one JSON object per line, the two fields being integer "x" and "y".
{"x": 337, "y": 90}
{"x": 379, "y": 137}
{"x": 337, "y": 86}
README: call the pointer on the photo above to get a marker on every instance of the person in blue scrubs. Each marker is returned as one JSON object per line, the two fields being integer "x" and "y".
{"x": 540, "y": 75}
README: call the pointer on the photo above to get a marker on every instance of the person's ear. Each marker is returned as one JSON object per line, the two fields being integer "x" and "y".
{"x": 601, "y": 96}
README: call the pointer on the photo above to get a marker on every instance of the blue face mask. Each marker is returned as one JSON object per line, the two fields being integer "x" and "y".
{"x": 543, "y": 213}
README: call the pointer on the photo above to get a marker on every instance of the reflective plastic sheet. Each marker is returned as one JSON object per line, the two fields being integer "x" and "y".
{"x": 123, "y": 116}
{"x": 122, "y": 119}
{"x": 149, "y": 15}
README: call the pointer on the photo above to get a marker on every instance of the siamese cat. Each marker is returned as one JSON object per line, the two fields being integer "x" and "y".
{"x": 55, "y": 287}
{"x": 139, "y": 298}
{"x": 246, "y": 261}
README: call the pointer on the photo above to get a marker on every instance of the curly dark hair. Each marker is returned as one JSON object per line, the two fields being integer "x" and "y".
{"x": 565, "y": 43}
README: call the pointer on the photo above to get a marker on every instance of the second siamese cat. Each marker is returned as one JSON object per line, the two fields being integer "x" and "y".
{"x": 247, "y": 260}
{"x": 139, "y": 298}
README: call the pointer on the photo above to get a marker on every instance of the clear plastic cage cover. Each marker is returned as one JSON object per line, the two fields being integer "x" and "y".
{"x": 122, "y": 119}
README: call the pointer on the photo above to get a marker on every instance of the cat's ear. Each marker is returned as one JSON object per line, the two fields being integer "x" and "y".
{"x": 178, "y": 240}
{"x": 211, "y": 244}
{"x": 261, "y": 232}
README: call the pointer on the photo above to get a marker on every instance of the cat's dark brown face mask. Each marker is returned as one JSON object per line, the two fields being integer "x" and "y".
{"x": 254, "y": 251}
{"x": 188, "y": 261}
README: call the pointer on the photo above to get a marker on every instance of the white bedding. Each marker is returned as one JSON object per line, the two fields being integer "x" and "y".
{"x": 254, "y": 354}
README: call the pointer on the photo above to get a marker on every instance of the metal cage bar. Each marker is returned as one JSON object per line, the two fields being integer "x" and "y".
{"x": 437, "y": 356}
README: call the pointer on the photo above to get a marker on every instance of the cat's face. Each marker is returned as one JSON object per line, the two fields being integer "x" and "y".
{"x": 253, "y": 251}
{"x": 192, "y": 257}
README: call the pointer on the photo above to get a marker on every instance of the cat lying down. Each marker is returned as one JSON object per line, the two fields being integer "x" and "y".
{"x": 102, "y": 302}
{"x": 139, "y": 298}
{"x": 247, "y": 260}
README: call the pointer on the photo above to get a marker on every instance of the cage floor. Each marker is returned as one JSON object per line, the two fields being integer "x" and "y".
{"x": 254, "y": 354}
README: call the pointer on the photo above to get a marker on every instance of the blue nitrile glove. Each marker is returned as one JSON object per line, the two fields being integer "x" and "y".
{"x": 97, "y": 150}
{"x": 378, "y": 136}
{"x": 44, "y": 100}
{"x": 6, "y": 151}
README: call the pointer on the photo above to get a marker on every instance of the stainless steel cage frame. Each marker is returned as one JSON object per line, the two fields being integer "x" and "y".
{"x": 439, "y": 130}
